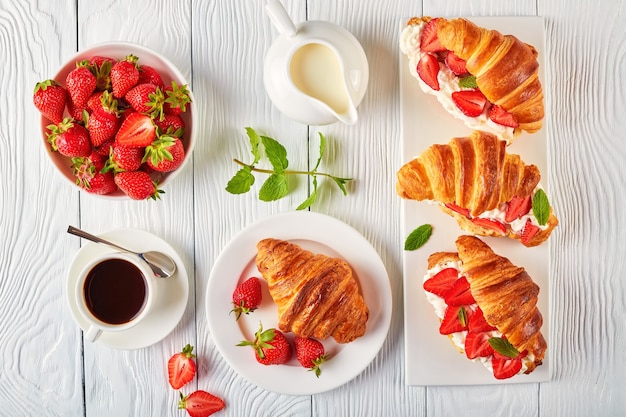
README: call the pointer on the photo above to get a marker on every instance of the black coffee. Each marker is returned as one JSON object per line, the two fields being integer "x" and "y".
{"x": 115, "y": 291}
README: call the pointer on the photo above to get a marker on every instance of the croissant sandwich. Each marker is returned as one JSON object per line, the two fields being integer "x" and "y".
{"x": 317, "y": 296}
{"x": 488, "y": 191}
{"x": 489, "y": 80}
{"x": 487, "y": 306}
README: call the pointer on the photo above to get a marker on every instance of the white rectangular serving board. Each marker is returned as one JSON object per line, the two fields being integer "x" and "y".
{"x": 431, "y": 359}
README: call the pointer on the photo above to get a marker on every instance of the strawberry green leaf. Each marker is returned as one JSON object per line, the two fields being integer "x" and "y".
{"x": 276, "y": 153}
{"x": 241, "y": 182}
{"x": 418, "y": 237}
{"x": 255, "y": 140}
{"x": 274, "y": 187}
{"x": 503, "y": 347}
{"x": 541, "y": 207}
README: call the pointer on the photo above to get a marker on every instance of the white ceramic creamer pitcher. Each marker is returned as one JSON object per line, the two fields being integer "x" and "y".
{"x": 316, "y": 72}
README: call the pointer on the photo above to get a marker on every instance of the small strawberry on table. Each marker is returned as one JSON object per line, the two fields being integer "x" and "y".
{"x": 200, "y": 403}
{"x": 181, "y": 367}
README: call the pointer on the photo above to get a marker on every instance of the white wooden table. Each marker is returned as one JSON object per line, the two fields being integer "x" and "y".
{"x": 219, "y": 45}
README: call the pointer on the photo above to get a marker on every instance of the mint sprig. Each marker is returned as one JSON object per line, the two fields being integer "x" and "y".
{"x": 541, "y": 207}
{"x": 418, "y": 237}
{"x": 276, "y": 186}
{"x": 503, "y": 347}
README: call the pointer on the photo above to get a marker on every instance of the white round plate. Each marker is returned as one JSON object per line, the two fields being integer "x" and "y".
{"x": 172, "y": 298}
{"x": 319, "y": 234}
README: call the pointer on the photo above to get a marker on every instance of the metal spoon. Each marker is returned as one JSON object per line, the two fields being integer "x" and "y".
{"x": 162, "y": 265}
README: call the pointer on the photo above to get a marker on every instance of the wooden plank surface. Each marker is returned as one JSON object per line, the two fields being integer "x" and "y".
{"x": 220, "y": 46}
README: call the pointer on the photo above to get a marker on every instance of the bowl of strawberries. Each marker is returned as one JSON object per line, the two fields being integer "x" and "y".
{"x": 116, "y": 121}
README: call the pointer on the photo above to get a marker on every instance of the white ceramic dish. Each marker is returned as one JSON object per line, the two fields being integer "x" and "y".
{"x": 431, "y": 359}
{"x": 321, "y": 234}
{"x": 173, "y": 292}
{"x": 168, "y": 72}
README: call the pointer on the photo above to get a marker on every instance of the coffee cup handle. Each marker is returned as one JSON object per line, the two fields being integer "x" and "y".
{"x": 92, "y": 334}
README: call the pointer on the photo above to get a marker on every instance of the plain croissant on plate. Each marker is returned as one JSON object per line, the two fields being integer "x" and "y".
{"x": 317, "y": 295}
{"x": 504, "y": 293}
{"x": 489, "y": 191}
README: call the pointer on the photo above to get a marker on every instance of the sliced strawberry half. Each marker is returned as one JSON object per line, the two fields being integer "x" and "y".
{"x": 529, "y": 231}
{"x": 460, "y": 294}
{"x": 456, "y": 64}
{"x": 500, "y": 116}
{"x": 454, "y": 320}
{"x": 428, "y": 69}
{"x": 429, "y": 42}
{"x": 494, "y": 225}
{"x": 517, "y": 207}
{"x": 458, "y": 209}
{"x": 470, "y": 102}
{"x": 442, "y": 282}
{"x": 477, "y": 322}
{"x": 136, "y": 131}
{"x": 477, "y": 345}
{"x": 505, "y": 367}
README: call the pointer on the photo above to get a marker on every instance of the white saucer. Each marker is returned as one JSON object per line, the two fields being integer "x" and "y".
{"x": 173, "y": 292}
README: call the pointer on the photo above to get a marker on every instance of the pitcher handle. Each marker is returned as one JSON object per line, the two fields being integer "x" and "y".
{"x": 279, "y": 17}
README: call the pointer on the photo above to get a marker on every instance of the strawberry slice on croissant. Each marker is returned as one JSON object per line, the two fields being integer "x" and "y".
{"x": 487, "y": 190}
{"x": 487, "y": 79}
{"x": 487, "y": 306}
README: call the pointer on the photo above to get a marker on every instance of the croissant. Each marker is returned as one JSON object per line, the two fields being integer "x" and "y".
{"x": 487, "y": 190}
{"x": 317, "y": 296}
{"x": 506, "y": 69}
{"x": 504, "y": 293}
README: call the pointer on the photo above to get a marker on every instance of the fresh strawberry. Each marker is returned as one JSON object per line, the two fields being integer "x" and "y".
{"x": 50, "y": 99}
{"x": 80, "y": 83}
{"x": 517, "y": 207}
{"x": 460, "y": 294}
{"x": 505, "y": 367}
{"x": 165, "y": 154}
{"x": 181, "y": 367}
{"x": 270, "y": 347}
{"x": 137, "y": 130}
{"x": 247, "y": 297}
{"x": 104, "y": 122}
{"x": 500, "y": 116}
{"x": 105, "y": 148}
{"x": 429, "y": 42}
{"x": 494, "y": 225}
{"x": 470, "y": 102}
{"x": 477, "y": 345}
{"x": 478, "y": 323}
{"x": 123, "y": 158}
{"x": 89, "y": 176}
{"x": 455, "y": 319}
{"x": 427, "y": 69}
{"x": 70, "y": 139}
{"x": 458, "y": 209}
{"x": 200, "y": 404}
{"x": 442, "y": 282}
{"x": 171, "y": 124}
{"x": 148, "y": 74}
{"x": 528, "y": 232}
{"x": 76, "y": 112}
{"x": 310, "y": 353}
{"x": 95, "y": 101}
{"x": 124, "y": 75}
{"x": 456, "y": 64}
{"x": 176, "y": 98}
{"x": 137, "y": 185}
{"x": 147, "y": 99}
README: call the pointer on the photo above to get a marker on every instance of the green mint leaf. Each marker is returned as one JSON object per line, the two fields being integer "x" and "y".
{"x": 468, "y": 82}
{"x": 462, "y": 315}
{"x": 322, "y": 150}
{"x": 541, "y": 207}
{"x": 418, "y": 237}
{"x": 255, "y": 140}
{"x": 503, "y": 347}
{"x": 241, "y": 182}
{"x": 274, "y": 187}
{"x": 276, "y": 153}
{"x": 309, "y": 201}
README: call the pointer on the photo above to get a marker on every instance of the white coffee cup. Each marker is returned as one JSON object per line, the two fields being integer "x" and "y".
{"x": 114, "y": 292}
